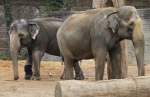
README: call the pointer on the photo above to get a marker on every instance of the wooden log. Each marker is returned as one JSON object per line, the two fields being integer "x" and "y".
{"x": 132, "y": 87}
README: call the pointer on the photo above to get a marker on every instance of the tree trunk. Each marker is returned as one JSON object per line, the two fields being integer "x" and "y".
{"x": 134, "y": 87}
{"x": 124, "y": 58}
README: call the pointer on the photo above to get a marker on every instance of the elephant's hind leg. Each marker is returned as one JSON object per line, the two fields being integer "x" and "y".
{"x": 28, "y": 66}
{"x": 78, "y": 71}
{"x": 68, "y": 69}
{"x": 28, "y": 71}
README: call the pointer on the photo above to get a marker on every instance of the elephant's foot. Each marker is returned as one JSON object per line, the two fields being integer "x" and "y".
{"x": 62, "y": 76}
{"x": 28, "y": 77}
{"x": 79, "y": 76}
{"x": 16, "y": 78}
{"x": 28, "y": 72}
{"x": 35, "y": 77}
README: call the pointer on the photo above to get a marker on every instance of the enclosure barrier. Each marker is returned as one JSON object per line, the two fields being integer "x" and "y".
{"x": 131, "y": 87}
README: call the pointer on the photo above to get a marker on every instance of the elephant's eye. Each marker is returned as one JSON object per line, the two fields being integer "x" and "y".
{"x": 131, "y": 24}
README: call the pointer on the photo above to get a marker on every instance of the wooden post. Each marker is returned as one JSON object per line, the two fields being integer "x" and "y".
{"x": 133, "y": 87}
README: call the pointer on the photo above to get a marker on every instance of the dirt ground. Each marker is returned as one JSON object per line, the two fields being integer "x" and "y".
{"x": 50, "y": 73}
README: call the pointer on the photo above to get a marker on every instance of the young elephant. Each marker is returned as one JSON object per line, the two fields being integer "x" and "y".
{"x": 94, "y": 33}
{"x": 39, "y": 36}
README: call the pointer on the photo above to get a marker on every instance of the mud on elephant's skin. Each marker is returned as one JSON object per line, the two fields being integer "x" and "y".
{"x": 96, "y": 32}
{"x": 38, "y": 36}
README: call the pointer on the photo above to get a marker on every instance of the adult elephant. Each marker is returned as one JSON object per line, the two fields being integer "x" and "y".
{"x": 94, "y": 33}
{"x": 39, "y": 36}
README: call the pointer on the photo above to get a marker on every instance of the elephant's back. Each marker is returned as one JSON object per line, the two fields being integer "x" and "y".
{"x": 74, "y": 36}
{"x": 47, "y": 19}
{"x": 76, "y": 22}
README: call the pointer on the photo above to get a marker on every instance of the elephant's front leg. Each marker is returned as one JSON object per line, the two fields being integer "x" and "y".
{"x": 100, "y": 63}
{"x": 28, "y": 66}
{"x": 36, "y": 55}
{"x": 115, "y": 62}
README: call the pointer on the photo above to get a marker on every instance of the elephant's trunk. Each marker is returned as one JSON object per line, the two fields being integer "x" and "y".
{"x": 14, "y": 48}
{"x": 138, "y": 42}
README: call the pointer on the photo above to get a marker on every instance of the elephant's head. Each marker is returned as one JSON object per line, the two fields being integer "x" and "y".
{"x": 22, "y": 33}
{"x": 125, "y": 23}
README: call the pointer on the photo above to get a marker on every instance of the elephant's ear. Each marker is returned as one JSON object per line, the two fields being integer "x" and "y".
{"x": 113, "y": 22}
{"x": 11, "y": 28}
{"x": 34, "y": 29}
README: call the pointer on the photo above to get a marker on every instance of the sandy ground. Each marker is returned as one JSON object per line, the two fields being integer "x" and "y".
{"x": 50, "y": 73}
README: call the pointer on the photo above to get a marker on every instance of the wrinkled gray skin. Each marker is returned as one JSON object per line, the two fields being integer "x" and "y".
{"x": 96, "y": 33}
{"x": 39, "y": 36}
